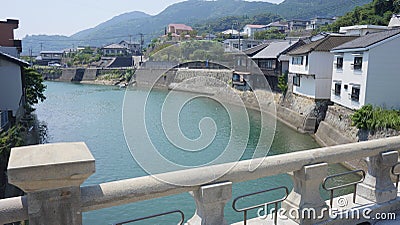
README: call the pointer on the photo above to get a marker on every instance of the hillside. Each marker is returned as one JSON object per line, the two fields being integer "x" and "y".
{"x": 190, "y": 12}
{"x": 377, "y": 12}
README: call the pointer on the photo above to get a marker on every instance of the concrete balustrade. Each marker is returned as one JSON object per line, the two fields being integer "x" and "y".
{"x": 378, "y": 186}
{"x": 306, "y": 183}
{"x": 51, "y": 176}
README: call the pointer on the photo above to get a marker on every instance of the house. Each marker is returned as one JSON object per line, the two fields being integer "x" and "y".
{"x": 311, "y": 66}
{"x": 114, "y": 50}
{"x": 394, "y": 21}
{"x": 270, "y": 62}
{"x": 133, "y": 46}
{"x": 250, "y": 29}
{"x": 47, "y": 57}
{"x": 231, "y": 33}
{"x": 317, "y": 22}
{"x": 179, "y": 28}
{"x": 280, "y": 26}
{"x": 361, "y": 30}
{"x": 240, "y": 44}
{"x": 366, "y": 71}
{"x": 12, "y": 90}
{"x": 296, "y": 25}
{"x": 210, "y": 37}
{"x": 7, "y": 34}
{"x": 254, "y": 50}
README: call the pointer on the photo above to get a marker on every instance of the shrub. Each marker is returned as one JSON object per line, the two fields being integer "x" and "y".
{"x": 375, "y": 118}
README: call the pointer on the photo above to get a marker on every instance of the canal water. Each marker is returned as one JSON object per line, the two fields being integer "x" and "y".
{"x": 93, "y": 114}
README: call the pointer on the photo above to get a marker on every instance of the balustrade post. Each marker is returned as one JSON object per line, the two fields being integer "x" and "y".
{"x": 210, "y": 204}
{"x": 51, "y": 176}
{"x": 304, "y": 204}
{"x": 378, "y": 186}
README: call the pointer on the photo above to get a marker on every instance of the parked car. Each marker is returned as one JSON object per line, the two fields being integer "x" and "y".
{"x": 56, "y": 64}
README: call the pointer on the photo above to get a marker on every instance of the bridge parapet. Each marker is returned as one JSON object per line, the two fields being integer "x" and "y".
{"x": 52, "y": 174}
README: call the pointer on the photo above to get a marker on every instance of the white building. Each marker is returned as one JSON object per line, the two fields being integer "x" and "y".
{"x": 311, "y": 67}
{"x": 367, "y": 71}
{"x": 232, "y": 45}
{"x": 361, "y": 30}
{"x": 12, "y": 96}
{"x": 250, "y": 29}
{"x": 394, "y": 21}
{"x": 318, "y": 22}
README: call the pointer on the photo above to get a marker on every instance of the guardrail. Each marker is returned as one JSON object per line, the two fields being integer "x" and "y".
{"x": 275, "y": 202}
{"x": 181, "y": 221}
{"x": 396, "y": 174}
{"x": 332, "y": 189}
{"x": 69, "y": 172}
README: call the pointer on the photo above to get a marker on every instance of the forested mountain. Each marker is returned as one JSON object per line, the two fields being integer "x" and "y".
{"x": 191, "y": 12}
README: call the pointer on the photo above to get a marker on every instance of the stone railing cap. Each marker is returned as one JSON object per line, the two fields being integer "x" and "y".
{"x": 50, "y": 166}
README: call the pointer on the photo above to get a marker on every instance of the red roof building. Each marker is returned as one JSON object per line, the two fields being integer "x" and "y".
{"x": 179, "y": 28}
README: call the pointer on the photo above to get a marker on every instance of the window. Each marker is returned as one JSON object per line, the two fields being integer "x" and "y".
{"x": 4, "y": 118}
{"x": 267, "y": 64}
{"x": 355, "y": 94}
{"x": 338, "y": 87}
{"x": 236, "y": 45}
{"x": 358, "y": 63}
{"x": 306, "y": 60}
{"x": 248, "y": 45}
{"x": 339, "y": 63}
{"x": 297, "y": 60}
{"x": 296, "y": 80}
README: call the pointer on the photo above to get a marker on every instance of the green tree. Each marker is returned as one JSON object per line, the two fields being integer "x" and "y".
{"x": 34, "y": 87}
{"x": 282, "y": 82}
{"x": 269, "y": 34}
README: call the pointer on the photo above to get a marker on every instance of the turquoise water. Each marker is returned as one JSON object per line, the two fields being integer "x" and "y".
{"x": 93, "y": 114}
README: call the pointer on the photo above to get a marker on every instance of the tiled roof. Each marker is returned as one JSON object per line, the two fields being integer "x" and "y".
{"x": 273, "y": 50}
{"x": 13, "y": 59}
{"x": 114, "y": 46}
{"x": 323, "y": 45}
{"x": 277, "y": 24}
{"x": 254, "y": 50}
{"x": 368, "y": 40}
{"x": 256, "y": 26}
{"x": 179, "y": 26}
{"x": 130, "y": 42}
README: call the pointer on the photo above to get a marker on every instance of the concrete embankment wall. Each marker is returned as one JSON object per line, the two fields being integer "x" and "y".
{"x": 337, "y": 129}
{"x": 68, "y": 74}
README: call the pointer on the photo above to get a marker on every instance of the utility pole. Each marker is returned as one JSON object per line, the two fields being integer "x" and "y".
{"x": 141, "y": 48}
{"x": 30, "y": 55}
{"x": 41, "y": 46}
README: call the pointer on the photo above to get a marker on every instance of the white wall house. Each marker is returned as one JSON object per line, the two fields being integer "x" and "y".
{"x": 361, "y": 30}
{"x": 11, "y": 84}
{"x": 367, "y": 71}
{"x": 250, "y": 29}
{"x": 311, "y": 67}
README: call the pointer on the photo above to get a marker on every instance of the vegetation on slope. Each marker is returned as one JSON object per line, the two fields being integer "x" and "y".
{"x": 376, "y": 118}
{"x": 377, "y": 12}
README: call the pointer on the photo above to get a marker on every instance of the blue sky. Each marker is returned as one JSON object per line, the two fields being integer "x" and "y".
{"x": 70, "y": 16}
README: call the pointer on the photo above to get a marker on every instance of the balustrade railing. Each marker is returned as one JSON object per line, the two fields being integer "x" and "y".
{"x": 51, "y": 175}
